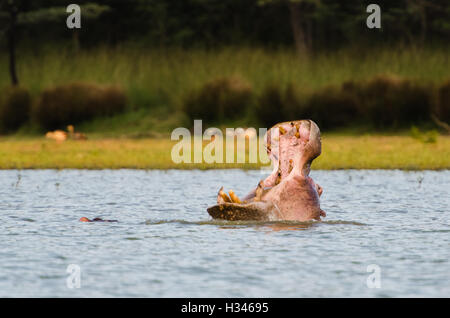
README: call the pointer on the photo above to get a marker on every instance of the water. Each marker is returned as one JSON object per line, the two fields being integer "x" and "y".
{"x": 166, "y": 245}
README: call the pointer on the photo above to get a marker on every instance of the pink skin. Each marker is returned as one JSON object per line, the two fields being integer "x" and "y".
{"x": 289, "y": 193}
{"x": 296, "y": 197}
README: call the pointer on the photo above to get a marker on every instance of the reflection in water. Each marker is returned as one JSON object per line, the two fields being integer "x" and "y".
{"x": 275, "y": 225}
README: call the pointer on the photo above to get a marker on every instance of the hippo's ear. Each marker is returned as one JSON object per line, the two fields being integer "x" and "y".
{"x": 318, "y": 214}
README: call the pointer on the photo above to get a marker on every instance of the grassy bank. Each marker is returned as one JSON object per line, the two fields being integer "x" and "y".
{"x": 154, "y": 77}
{"x": 336, "y": 89}
{"x": 339, "y": 152}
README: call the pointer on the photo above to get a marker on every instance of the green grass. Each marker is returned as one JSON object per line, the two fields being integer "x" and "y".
{"x": 163, "y": 77}
{"x": 157, "y": 80}
{"x": 339, "y": 152}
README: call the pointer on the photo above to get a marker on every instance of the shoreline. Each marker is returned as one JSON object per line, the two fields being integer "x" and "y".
{"x": 369, "y": 152}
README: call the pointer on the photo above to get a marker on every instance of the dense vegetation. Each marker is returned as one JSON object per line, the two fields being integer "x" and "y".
{"x": 390, "y": 88}
{"x": 322, "y": 24}
{"x": 144, "y": 67}
{"x": 342, "y": 152}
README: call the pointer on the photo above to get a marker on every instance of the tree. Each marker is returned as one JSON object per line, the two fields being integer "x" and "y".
{"x": 14, "y": 13}
{"x": 9, "y": 10}
{"x": 299, "y": 12}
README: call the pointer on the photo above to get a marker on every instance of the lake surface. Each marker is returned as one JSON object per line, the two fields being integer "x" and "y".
{"x": 166, "y": 245}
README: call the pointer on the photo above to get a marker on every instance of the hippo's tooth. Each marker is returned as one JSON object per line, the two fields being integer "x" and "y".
{"x": 319, "y": 189}
{"x": 297, "y": 133}
{"x": 259, "y": 191}
{"x": 224, "y": 196}
{"x": 291, "y": 166}
{"x": 234, "y": 197}
{"x": 282, "y": 130}
{"x": 278, "y": 180}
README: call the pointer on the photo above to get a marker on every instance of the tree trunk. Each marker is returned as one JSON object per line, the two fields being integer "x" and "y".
{"x": 297, "y": 28}
{"x": 423, "y": 24}
{"x": 12, "y": 47}
{"x": 75, "y": 41}
{"x": 420, "y": 7}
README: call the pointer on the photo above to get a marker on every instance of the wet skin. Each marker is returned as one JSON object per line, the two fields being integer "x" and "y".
{"x": 288, "y": 193}
{"x": 85, "y": 219}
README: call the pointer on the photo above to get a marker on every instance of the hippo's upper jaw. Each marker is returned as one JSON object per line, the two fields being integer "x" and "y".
{"x": 288, "y": 193}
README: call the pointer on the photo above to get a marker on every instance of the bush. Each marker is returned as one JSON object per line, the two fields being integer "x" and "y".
{"x": 329, "y": 108}
{"x": 14, "y": 108}
{"x": 277, "y": 105}
{"x": 426, "y": 136}
{"x": 219, "y": 99}
{"x": 333, "y": 108}
{"x": 384, "y": 102}
{"x": 270, "y": 106}
{"x": 443, "y": 102}
{"x": 392, "y": 102}
{"x": 77, "y": 102}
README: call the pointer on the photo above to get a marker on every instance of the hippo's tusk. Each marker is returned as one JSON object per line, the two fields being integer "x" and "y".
{"x": 259, "y": 191}
{"x": 291, "y": 165}
{"x": 278, "y": 179}
{"x": 234, "y": 197}
{"x": 297, "y": 133}
{"x": 224, "y": 196}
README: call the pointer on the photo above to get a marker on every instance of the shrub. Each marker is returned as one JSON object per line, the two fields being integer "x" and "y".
{"x": 329, "y": 108}
{"x": 443, "y": 102}
{"x": 384, "y": 102}
{"x": 332, "y": 108}
{"x": 77, "y": 102}
{"x": 392, "y": 102}
{"x": 270, "y": 106}
{"x": 426, "y": 136}
{"x": 14, "y": 108}
{"x": 277, "y": 105}
{"x": 295, "y": 104}
{"x": 219, "y": 99}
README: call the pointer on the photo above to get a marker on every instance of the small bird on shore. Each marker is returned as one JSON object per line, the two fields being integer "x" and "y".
{"x": 57, "y": 135}
{"x": 75, "y": 135}
{"x": 60, "y": 135}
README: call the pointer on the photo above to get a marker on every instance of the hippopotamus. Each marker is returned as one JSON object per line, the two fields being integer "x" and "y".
{"x": 85, "y": 219}
{"x": 288, "y": 194}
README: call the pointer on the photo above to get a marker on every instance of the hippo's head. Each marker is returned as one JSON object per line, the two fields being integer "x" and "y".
{"x": 288, "y": 193}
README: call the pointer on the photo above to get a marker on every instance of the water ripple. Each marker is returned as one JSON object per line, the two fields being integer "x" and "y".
{"x": 166, "y": 245}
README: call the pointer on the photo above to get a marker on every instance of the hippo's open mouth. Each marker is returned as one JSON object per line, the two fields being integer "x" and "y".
{"x": 288, "y": 193}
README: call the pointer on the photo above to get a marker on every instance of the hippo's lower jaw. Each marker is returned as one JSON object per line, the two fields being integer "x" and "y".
{"x": 279, "y": 204}
{"x": 253, "y": 211}
{"x": 288, "y": 193}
